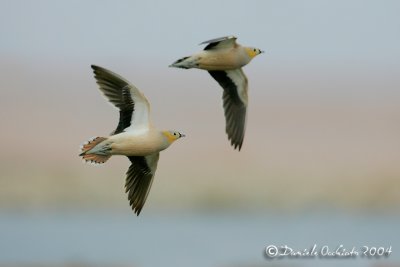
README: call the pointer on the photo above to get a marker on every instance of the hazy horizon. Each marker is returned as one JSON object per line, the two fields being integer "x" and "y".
{"x": 323, "y": 107}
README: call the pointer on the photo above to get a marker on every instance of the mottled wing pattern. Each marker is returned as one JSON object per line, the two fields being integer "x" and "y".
{"x": 234, "y": 83}
{"x": 139, "y": 178}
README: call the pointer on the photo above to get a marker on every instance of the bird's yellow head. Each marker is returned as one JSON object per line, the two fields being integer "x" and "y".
{"x": 172, "y": 135}
{"x": 252, "y": 52}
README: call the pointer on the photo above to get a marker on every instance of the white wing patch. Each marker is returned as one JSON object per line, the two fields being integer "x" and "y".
{"x": 152, "y": 161}
{"x": 141, "y": 115}
{"x": 132, "y": 104}
{"x": 240, "y": 80}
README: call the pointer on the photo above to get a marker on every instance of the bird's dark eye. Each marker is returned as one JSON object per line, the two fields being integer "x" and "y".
{"x": 174, "y": 133}
{"x": 255, "y": 50}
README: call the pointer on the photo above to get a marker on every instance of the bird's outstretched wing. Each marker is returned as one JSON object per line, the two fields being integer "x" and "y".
{"x": 139, "y": 178}
{"x": 222, "y": 42}
{"x": 234, "y": 83}
{"x": 134, "y": 109}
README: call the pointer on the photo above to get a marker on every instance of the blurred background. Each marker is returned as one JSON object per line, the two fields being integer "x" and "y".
{"x": 320, "y": 162}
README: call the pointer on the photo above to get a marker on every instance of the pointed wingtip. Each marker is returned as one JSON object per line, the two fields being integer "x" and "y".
{"x": 137, "y": 210}
{"x": 96, "y": 68}
{"x": 238, "y": 147}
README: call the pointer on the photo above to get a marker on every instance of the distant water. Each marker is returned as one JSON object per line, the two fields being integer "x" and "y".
{"x": 196, "y": 240}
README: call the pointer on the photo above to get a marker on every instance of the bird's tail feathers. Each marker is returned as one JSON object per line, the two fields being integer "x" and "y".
{"x": 99, "y": 156}
{"x": 184, "y": 63}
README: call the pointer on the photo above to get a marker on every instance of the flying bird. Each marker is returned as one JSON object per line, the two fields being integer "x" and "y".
{"x": 134, "y": 137}
{"x": 224, "y": 58}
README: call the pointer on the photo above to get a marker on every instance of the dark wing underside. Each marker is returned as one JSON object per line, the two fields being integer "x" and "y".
{"x": 117, "y": 91}
{"x": 139, "y": 178}
{"x": 234, "y": 107}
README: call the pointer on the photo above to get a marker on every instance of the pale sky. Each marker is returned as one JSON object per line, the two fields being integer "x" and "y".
{"x": 292, "y": 32}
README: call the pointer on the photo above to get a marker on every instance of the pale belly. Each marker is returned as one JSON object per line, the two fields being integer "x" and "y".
{"x": 219, "y": 60}
{"x": 139, "y": 145}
